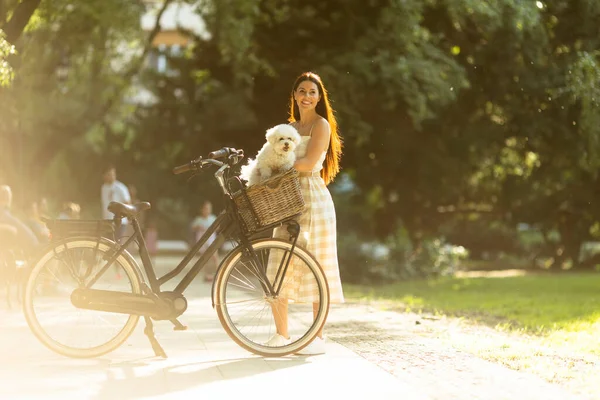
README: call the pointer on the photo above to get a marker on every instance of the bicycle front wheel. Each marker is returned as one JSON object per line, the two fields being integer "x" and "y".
{"x": 51, "y": 316}
{"x": 251, "y": 316}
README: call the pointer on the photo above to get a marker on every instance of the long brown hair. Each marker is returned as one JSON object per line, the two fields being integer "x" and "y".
{"x": 323, "y": 108}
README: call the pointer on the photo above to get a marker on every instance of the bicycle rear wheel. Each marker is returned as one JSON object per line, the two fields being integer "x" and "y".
{"x": 51, "y": 316}
{"x": 247, "y": 312}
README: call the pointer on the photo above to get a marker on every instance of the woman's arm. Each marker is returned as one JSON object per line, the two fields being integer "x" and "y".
{"x": 317, "y": 144}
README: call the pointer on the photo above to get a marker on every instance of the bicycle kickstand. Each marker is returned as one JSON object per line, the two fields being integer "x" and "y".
{"x": 178, "y": 325}
{"x": 149, "y": 331}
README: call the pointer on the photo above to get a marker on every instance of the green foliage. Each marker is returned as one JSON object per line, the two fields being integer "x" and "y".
{"x": 6, "y": 71}
{"x": 436, "y": 258}
{"x": 367, "y": 261}
{"x": 460, "y": 118}
{"x": 69, "y": 71}
{"x": 446, "y": 108}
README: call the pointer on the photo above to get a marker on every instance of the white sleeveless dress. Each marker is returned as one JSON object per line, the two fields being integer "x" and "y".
{"x": 318, "y": 234}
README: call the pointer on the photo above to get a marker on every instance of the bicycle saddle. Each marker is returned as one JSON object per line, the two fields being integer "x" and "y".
{"x": 127, "y": 210}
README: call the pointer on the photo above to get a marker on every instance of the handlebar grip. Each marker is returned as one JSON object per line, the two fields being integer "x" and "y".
{"x": 181, "y": 169}
{"x": 224, "y": 152}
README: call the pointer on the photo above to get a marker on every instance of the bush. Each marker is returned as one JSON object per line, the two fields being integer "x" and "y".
{"x": 436, "y": 257}
{"x": 484, "y": 238}
{"x": 355, "y": 265}
{"x": 372, "y": 261}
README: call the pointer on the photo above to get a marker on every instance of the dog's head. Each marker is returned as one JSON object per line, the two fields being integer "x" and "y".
{"x": 284, "y": 138}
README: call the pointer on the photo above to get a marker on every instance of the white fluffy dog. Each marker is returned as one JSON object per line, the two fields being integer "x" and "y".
{"x": 276, "y": 156}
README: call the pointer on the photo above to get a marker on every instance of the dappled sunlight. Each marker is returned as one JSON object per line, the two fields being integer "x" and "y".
{"x": 555, "y": 358}
{"x": 412, "y": 302}
{"x": 536, "y": 304}
{"x": 580, "y": 336}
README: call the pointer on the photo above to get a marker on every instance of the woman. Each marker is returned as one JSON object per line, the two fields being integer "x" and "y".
{"x": 318, "y": 157}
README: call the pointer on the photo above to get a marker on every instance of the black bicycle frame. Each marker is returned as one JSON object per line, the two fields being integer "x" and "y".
{"x": 225, "y": 226}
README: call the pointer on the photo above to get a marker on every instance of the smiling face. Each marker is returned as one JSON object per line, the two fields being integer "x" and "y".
{"x": 307, "y": 95}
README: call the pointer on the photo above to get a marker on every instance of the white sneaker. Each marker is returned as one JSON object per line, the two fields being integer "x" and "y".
{"x": 277, "y": 341}
{"x": 317, "y": 346}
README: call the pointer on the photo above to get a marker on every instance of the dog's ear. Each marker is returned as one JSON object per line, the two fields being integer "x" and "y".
{"x": 271, "y": 135}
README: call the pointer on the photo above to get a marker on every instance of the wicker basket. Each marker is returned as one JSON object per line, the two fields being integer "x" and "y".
{"x": 67, "y": 228}
{"x": 271, "y": 201}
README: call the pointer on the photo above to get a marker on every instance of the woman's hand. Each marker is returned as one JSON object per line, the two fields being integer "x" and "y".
{"x": 318, "y": 143}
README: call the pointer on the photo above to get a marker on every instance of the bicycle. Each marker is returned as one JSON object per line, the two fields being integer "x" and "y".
{"x": 248, "y": 287}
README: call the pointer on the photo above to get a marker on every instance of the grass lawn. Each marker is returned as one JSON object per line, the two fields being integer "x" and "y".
{"x": 545, "y": 324}
{"x": 564, "y": 309}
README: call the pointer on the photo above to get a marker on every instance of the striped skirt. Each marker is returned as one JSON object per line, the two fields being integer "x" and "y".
{"x": 318, "y": 235}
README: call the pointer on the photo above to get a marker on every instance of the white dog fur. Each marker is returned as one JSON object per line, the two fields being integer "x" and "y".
{"x": 276, "y": 156}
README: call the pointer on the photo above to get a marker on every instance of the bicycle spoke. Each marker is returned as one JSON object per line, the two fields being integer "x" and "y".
{"x": 61, "y": 326}
{"x": 253, "y": 317}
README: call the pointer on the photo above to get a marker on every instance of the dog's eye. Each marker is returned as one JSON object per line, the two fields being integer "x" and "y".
{"x": 280, "y": 139}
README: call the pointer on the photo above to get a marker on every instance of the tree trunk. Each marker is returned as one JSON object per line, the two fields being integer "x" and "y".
{"x": 19, "y": 19}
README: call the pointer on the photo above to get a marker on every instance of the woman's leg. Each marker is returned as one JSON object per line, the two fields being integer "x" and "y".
{"x": 280, "y": 314}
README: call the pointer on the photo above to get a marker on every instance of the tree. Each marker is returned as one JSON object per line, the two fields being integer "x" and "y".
{"x": 6, "y": 50}
{"x": 449, "y": 109}
{"x": 20, "y": 12}
{"x": 76, "y": 63}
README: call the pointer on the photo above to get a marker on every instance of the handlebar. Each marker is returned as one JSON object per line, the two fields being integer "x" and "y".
{"x": 225, "y": 152}
{"x": 182, "y": 168}
{"x": 233, "y": 156}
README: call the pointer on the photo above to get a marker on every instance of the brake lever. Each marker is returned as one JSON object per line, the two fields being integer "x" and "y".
{"x": 197, "y": 166}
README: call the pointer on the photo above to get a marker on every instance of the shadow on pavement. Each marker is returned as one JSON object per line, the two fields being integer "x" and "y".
{"x": 123, "y": 380}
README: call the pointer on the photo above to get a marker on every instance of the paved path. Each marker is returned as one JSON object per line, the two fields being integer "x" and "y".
{"x": 417, "y": 351}
{"x": 204, "y": 363}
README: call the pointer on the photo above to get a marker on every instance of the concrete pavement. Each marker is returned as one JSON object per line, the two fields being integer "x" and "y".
{"x": 203, "y": 363}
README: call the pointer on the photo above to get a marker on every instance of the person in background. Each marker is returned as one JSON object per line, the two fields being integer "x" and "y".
{"x": 24, "y": 240}
{"x": 114, "y": 190}
{"x": 43, "y": 208}
{"x": 70, "y": 210}
{"x": 36, "y": 224}
{"x": 199, "y": 226}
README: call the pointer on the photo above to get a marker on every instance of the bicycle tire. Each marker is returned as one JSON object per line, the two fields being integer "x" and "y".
{"x": 102, "y": 246}
{"x": 259, "y": 347}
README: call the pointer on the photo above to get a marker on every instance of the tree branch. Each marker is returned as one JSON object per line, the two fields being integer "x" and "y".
{"x": 50, "y": 146}
{"x": 137, "y": 65}
{"x": 2, "y": 13}
{"x": 19, "y": 19}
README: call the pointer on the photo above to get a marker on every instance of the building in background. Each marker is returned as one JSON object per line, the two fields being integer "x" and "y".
{"x": 179, "y": 24}
{"x": 178, "y": 18}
